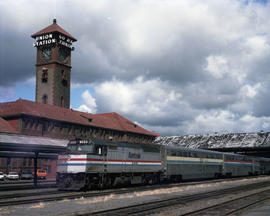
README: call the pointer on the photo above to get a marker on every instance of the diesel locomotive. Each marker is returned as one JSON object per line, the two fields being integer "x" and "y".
{"x": 90, "y": 163}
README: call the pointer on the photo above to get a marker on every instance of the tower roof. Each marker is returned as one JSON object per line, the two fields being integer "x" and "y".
{"x": 53, "y": 28}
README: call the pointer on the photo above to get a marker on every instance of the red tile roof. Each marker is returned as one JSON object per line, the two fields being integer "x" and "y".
{"x": 124, "y": 123}
{"x": 5, "y": 127}
{"x": 106, "y": 120}
{"x": 53, "y": 28}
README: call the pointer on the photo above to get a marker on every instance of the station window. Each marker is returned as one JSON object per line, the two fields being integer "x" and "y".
{"x": 62, "y": 101}
{"x": 45, "y": 99}
{"x": 30, "y": 162}
{"x": 44, "y": 78}
{"x": 14, "y": 162}
{"x": 64, "y": 77}
{"x": 3, "y": 163}
{"x": 49, "y": 168}
{"x": 24, "y": 162}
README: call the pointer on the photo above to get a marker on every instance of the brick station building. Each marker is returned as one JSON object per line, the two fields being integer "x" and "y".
{"x": 50, "y": 115}
{"x": 33, "y": 118}
{"x": 44, "y": 120}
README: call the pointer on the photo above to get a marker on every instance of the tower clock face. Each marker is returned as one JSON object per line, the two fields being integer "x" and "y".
{"x": 63, "y": 54}
{"x": 46, "y": 53}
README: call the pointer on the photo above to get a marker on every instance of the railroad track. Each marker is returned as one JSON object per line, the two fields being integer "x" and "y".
{"x": 45, "y": 196}
{"x": 20, "y": 194}
{"x": 55, "y": 195}
{"x": 159, "y": 206}
{"x": 26, "y": 185}
{"x": 233, "y": 206}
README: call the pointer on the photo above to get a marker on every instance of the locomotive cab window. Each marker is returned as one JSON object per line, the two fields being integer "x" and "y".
{"x": 100, "y": 150}
{"x": 87, "y": 148}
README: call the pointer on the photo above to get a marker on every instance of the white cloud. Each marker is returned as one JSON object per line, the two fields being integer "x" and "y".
{"x": 158, "y": 107}
{"x": 217, "y": 66}
{"x": 140, "y": 97}
{"x": 251, "y": 123}
{"x": 251, "y": 91}
{"x": 212, "y": 122}
{"x": 89, "y": 103}
{"x": 6, "y": 94}
{"x": 225, "y": 122}
{"x": 257, "y": 47}
{"x": 178, "y": 67}
{"x": 144, "y": 101}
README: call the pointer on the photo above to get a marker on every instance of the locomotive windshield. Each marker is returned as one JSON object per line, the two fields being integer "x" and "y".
{"x": 86, "y": 146}
{"x": 80, "y": 146}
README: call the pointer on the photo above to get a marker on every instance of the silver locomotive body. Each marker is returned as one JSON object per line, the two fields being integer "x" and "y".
{"x": 96, "y": 163}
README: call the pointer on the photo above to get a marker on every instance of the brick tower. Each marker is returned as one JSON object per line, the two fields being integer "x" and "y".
{"x": 53, "y": 65}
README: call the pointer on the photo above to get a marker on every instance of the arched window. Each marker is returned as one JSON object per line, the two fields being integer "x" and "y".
{"x": 64, "y": 77}
{"x": 62, "y": 101}
{"x": 63, "y": 73}
{"x": 44, "y": 75}
{"x": 45, "y": 99}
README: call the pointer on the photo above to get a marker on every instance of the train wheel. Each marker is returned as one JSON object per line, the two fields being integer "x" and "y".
{"x": 145, "y": 180}
{"x": 179, "y": 178}
{"x": 88, "y": 185}
{"x": 228, "y": 175}
{"x": 68, "y": 182}
{"x": 173, "y": 179}
{"x": 101, "y": 185}
{"x": 217, "y": 175}
{"x": 109, "y": 182}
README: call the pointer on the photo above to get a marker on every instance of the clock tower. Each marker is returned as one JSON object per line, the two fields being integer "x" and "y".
{"x": 53, "y": 65}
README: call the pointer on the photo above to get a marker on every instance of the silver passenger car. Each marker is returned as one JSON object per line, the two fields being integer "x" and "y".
{"x": 184, "y": 163}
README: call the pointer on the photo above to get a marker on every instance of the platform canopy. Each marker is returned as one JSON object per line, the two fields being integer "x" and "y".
{"x": 257, "y": 144}
{"x": 25, "y": 143}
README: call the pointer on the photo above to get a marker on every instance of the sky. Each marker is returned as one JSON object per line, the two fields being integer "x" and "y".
{"x": 175, "y": 67}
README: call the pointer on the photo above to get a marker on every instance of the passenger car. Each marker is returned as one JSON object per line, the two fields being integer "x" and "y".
{"x": 2, "y": 176}
{"x": 26, "y": 174}
{"x": 12, "y": 176}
